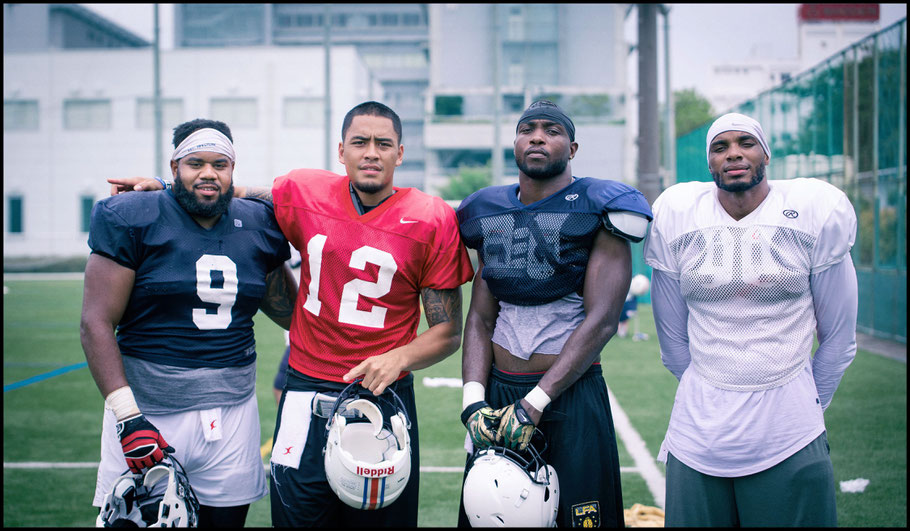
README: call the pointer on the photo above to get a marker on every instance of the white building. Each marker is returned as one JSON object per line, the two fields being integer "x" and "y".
{"x": 73, "y": 118}
{"x": 822, "y": 31}
{"x": 572, "y": 54}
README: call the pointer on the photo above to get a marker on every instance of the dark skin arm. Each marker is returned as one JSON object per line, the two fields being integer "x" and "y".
{"x": 607, "y": 280}
{"x": 477, "y": 351}
{"x": 280, "y": 296}
{"x": 106, "y": 292}
{"x": 144, "y": 184}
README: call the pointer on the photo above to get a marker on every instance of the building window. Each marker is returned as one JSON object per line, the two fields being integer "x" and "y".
{"x": 449, "y": 105}
{"x": 171, "y": 113}
{"x": 87, "y": 203}
{"x": 516, "y": 24}
{"x": 304, "y": 112}
{"x": 82, "y": 115}
{"x": 513, "y": 103}
{"x": 515, "y": 74}
{"x": 14, "y": 221}
{"x": 236, "y": 112}
{"x": 21, "y": 115}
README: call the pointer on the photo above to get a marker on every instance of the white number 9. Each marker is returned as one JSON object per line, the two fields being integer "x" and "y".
{"x": 224, "y": 296}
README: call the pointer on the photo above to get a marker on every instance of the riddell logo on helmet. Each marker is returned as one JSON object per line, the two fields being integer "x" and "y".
{"x": 375, "y": 472}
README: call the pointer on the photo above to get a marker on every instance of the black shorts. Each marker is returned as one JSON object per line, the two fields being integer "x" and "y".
{"x": 303, "y": 497}
{"x": 581, "y": 446}
{"x": 281, "y": 375}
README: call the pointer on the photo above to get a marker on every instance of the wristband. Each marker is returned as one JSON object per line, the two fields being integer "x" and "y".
{"x": 538, "y": 399}
{"x": 164, "y": 184}
{"x": 123, "y": 403}
{"x": 473, "y": 392}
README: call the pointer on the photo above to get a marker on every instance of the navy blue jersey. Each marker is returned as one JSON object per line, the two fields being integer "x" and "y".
{"x": 538, "y": 253}
{"x": 196, "y": 290}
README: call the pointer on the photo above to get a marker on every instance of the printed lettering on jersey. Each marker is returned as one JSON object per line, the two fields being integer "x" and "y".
{"x": 757, "y": 262}
{"x": 586, "y": 514}
{"x": 520, "y": 246}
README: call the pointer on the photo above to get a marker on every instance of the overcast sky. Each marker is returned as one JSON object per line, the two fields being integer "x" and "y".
{"x": 699, "y": 33}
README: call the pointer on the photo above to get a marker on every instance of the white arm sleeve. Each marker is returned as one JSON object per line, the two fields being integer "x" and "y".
{"x": 834, "y": 295}
{"x": 671, "y": 315}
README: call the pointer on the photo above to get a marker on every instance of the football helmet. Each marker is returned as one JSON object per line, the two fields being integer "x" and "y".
{"x": 367, "y": 456}
{"x": 504, "y": 489}
{"x": 144, "y": 500}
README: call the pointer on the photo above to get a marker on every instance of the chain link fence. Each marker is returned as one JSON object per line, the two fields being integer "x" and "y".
{"x": 845, "y": 121}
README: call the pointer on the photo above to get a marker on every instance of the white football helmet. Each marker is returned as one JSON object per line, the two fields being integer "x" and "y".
{"x": 503, "y": 489}
{"x": 143, "y": 500}
{"x": 367, "y": 460}
{"x": 639, "y": 285}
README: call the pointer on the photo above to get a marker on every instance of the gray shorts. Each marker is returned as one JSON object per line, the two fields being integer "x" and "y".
{"x": 798, "y": 492}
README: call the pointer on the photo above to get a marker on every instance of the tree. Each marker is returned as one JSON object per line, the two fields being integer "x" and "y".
{"x": 468, "y": 180}
{"x": 692, "y": 110}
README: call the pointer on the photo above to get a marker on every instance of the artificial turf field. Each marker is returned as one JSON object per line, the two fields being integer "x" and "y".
{"x": 52, "y": 418}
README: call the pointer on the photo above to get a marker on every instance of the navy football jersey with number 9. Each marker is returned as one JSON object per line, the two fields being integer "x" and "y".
{"x": 196, "y": 290}
{"x": 538, "y": 253}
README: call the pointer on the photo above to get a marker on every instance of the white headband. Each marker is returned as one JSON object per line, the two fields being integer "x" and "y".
{"x": 205, "y": 140}
{"x": 736, "y": 122}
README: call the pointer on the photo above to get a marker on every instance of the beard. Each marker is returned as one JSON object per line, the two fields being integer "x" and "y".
{"x": 740, "y": 186}
{"x": 187, "y": 199}
{"x": 369, "y": 187}
{"x": 553, "y": 168}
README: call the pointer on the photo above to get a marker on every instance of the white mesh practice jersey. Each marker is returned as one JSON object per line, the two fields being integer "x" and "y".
{"x": 746, "y": 283}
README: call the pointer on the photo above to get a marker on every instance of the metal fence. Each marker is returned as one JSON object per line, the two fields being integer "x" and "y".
{"x": 844, "y": 121}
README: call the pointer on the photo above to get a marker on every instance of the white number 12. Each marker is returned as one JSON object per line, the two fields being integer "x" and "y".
{"x": 347, "y": 310}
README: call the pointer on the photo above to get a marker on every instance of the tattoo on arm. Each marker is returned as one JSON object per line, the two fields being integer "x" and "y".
{"x": 259, "y": 193}
{"x": 279, "y": 299}
{"x": 442, "y": 305}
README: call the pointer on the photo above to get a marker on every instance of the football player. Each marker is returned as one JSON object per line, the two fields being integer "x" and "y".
{"x": 179, "y": 274}
{"x": 554, "y": 269}
{"x": 746, "y": 272}
{"x": 370, "y": 252}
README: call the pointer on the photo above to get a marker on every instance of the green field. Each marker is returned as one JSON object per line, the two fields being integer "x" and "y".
{"x": 58, "y": 419}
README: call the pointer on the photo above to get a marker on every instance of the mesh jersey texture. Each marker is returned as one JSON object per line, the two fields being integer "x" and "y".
{"x": 535, "y": 254}
{"x": 361, "y": 276}
{"x": 746, "y": 283}
{"x": 196, "y": 290}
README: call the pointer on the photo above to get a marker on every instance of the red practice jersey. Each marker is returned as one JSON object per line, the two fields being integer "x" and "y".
{"x": 361, "y": 276}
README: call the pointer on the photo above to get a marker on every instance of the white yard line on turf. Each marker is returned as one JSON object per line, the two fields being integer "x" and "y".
{"x": 634, "y": 444}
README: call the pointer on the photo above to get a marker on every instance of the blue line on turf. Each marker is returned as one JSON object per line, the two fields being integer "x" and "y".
{"x": 45, "y": 376}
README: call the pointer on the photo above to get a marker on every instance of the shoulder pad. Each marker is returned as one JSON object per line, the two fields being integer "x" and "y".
{"x": 631, "y": 226}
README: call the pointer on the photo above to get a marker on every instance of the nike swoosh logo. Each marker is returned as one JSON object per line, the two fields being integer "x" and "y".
{"x": 407, "y": 221}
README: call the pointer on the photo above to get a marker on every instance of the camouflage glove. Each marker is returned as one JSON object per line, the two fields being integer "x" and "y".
{"x": 482, "y": 423}
{"x": 515, "y": 427}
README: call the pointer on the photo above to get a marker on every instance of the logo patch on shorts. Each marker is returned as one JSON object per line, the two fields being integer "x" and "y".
{"x": 586, "y": 514}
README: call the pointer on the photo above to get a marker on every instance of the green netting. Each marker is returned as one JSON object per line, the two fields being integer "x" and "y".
{"x": 844, "y": 121}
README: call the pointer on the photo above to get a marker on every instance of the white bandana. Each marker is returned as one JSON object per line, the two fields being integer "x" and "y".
{"x": 205, "y": 140}
{"x": 736, "y": 122}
